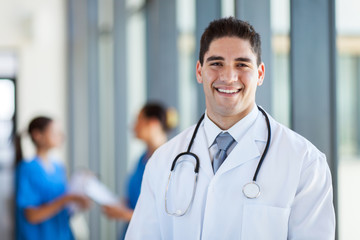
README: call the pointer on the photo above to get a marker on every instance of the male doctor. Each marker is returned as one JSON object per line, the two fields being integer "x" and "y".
{"x": 293, "y": 195}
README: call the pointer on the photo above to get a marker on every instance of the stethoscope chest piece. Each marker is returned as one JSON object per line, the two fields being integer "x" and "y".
{"x": 251, "y": 190}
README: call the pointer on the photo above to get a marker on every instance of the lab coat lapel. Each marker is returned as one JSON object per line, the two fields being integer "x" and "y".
{"x": 201, "y": 150}
{"x": 246, "y": 149}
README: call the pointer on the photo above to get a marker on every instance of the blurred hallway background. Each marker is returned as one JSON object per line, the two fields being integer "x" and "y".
{"x": 92, "y": 65}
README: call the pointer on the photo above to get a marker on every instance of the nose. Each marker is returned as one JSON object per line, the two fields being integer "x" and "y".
{"x": 228, "y": 74}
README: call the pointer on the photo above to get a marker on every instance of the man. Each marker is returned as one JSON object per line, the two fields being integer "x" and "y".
{"x": 292, "y": 197}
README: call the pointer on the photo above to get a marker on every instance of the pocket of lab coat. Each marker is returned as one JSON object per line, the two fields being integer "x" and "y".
{"x": 265, "y": 222}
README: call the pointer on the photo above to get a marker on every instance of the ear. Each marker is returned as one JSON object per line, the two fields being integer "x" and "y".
{"x": 36, "y": 135}
{"x": 261, "y": 74}
{"x": 153, "y": 123}
{"x": 198, "y": 72}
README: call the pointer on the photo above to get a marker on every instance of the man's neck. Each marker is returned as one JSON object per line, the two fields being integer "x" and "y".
{"x": 226, "y": 122}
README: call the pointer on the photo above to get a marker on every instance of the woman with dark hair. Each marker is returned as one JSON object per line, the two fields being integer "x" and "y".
{"x": 152, "y": 125}
{"x": 41, "y": 197}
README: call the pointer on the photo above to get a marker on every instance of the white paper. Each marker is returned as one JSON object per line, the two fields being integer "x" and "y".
{"x": 98, "y": 192}
{"x": 86, "y": 183}
{"x": 78, "y": 182}
{"x": 76, "y": 186}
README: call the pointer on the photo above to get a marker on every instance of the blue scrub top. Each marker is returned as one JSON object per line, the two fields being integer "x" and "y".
{"x": 35, "y": 187}
{"x": 134, "y": 187}
{"x": 135, "y": 179}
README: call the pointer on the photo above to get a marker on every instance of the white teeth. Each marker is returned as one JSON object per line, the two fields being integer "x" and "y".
{"x": 227, "y": 91}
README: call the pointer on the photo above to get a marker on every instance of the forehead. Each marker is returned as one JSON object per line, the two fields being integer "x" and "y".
{"x": 230, "y": 46}
{"x": 54, "y": 125}
{"x": 141, "y": 115}
{"x": 51, "y": 127}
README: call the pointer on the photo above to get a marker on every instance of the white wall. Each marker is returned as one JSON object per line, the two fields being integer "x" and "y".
{"x": 35, "y": 32}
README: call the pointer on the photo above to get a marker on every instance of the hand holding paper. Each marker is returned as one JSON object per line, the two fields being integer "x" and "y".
{"x": 118, "y": 212}
{"x": 85, "y": 183}
{"x": 98, "y": 192}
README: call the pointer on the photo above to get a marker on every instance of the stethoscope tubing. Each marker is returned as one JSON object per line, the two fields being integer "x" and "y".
{"x": 195, "y": 133}
{"x": 197, "y": 166}
{"x": 188, "y": 151}
{"x": 267, "y": 144}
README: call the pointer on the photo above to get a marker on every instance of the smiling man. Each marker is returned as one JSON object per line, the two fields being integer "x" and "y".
{"x": 230, "y": 74}
{"x": 237, "y": 174}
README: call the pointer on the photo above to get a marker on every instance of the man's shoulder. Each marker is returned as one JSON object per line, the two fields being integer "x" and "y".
{"x": 287, "y": 138}
{"x": 283, "y": 131}
{"x": 165, "y": 154}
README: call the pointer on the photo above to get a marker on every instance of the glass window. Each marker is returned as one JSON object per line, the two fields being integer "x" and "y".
{"x": 7, "y": 113}
{"x": 348, "y": 116}
{"x": 186, "y": 51}
{"x": 106, "y": 105}
{"x": 280, "y": 27}
{"x": 7, "y": 99}
{"x": 227, "y": 8}
{"x": 136, "y": 77}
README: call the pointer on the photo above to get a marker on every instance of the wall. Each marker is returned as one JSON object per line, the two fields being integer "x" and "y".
{"x": 35, "y": 32}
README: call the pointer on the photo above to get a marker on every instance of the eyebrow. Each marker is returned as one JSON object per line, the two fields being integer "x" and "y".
{"x": 243, "y": 59}
{"x": 216, "y": 58}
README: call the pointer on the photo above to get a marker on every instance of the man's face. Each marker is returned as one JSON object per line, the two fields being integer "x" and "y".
{"x": 230, "y": 76}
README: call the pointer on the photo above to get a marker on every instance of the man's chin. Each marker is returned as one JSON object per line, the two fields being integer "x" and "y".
{"x": 228, "y": 111}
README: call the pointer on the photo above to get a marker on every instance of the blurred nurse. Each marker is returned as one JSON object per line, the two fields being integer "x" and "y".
{"x": 152, "y": 125}
{"x": 41, "y": 197}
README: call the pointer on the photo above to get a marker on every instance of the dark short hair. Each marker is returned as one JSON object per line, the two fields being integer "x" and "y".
{"x": 157, "y": 111}
{"x": 38, "y": 124}
{"x": 230, "y": 27}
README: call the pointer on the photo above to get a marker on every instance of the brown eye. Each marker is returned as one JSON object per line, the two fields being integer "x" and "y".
{"x": 241, "y": 65}
{"x": 215, "y": 64}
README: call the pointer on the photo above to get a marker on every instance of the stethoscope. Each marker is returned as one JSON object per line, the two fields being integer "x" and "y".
{"x": 250, "y": 190}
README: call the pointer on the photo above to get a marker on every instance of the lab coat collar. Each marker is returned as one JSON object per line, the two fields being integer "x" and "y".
{"x": 260, "y": 132}
{"x": 202, "y": 151}
{"x": 244, "y": 151}
{"x": 247, "y": 148}
{"x": 237, "y": 131}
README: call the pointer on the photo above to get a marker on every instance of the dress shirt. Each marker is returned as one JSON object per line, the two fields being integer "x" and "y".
{"x": 237, "y": 131}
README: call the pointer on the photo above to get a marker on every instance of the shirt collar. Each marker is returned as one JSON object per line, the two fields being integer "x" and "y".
{"x": 237, "y": 131}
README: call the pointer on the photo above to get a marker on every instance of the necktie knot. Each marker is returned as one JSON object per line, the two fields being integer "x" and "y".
{"x": 224, "y": 141}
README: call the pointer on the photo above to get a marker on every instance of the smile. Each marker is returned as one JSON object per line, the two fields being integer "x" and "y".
{"x": 228, "y": 91}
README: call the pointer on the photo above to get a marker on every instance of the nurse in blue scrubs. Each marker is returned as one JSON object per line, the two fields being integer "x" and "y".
{"x": 41, "y": 197}
{"x": 152, "y": 126}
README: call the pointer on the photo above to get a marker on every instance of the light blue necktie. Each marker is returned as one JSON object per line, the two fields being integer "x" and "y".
{"x": 224, "y": 141}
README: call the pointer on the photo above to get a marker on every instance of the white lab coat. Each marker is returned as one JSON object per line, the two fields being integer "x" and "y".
{"x": 295, "y": 201}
